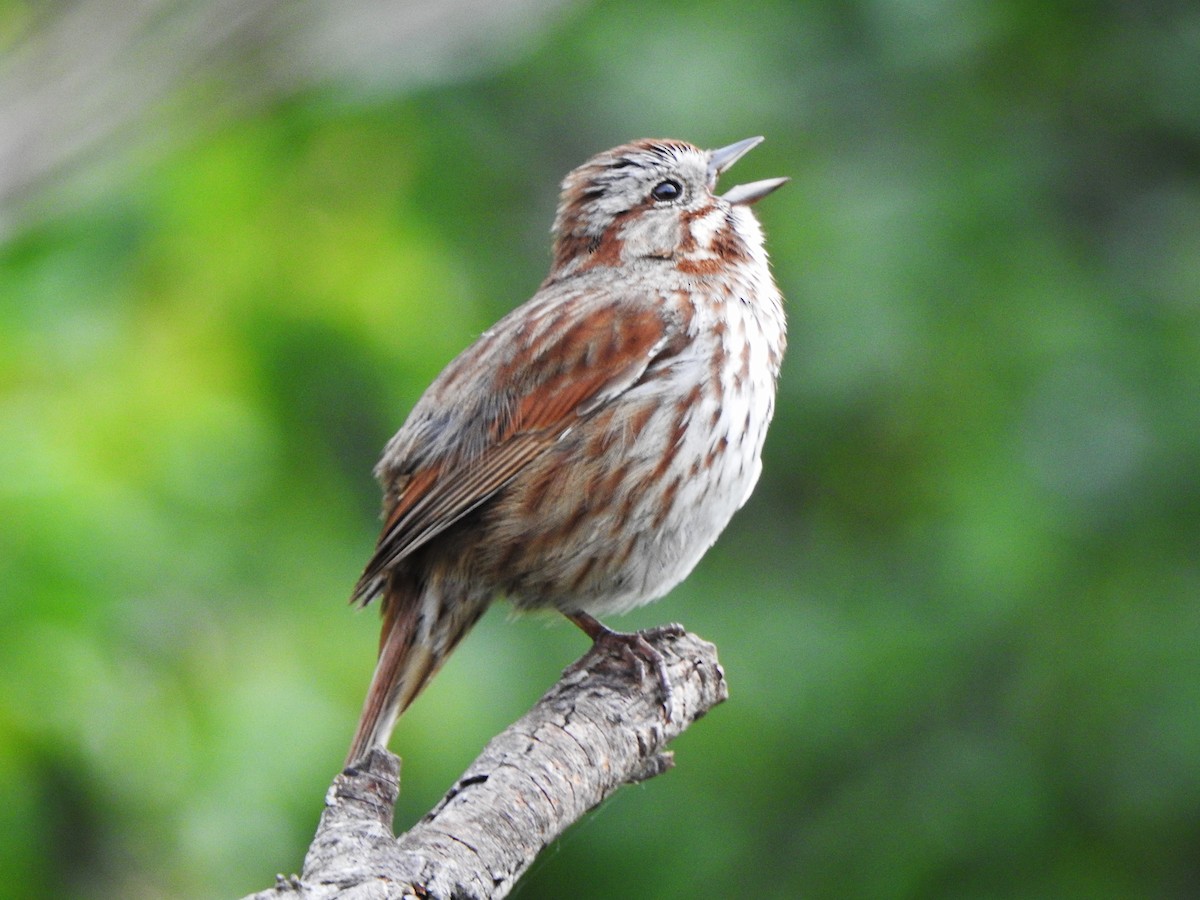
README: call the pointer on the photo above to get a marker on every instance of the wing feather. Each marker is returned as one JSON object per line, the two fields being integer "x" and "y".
{"x": 565, "y": 375}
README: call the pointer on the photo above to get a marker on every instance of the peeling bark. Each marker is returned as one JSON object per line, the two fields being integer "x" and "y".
{"x": 604, "y": 724}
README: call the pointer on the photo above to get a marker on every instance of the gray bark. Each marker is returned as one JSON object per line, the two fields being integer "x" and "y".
{"x": 604, "y": 724}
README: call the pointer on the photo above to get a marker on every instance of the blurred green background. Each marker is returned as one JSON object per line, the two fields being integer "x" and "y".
{"x": 959, "y": 617}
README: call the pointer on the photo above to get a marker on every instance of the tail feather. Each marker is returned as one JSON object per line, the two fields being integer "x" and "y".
{"x": 419, "y": 631}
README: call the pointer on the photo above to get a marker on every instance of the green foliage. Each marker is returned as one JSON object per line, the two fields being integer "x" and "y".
{"x": 959, "y": 617}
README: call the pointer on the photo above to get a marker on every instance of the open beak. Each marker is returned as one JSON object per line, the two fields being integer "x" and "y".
{"x": 744, "y": 194}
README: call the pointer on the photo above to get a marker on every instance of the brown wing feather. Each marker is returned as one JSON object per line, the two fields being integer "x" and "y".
{"x": 565, "y": 376}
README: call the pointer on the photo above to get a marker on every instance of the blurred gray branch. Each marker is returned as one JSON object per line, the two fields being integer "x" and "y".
{"x": 600, "y": 727}
{"x": 91, "y": 82}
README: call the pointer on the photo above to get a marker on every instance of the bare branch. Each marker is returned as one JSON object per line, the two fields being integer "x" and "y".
{"x": 603, "y": 725}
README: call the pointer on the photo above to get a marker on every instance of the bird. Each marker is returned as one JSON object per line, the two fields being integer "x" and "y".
{"x": 583, "y": 453}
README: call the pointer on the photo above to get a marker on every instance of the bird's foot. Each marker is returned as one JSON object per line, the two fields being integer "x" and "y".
{"x": 635, "y": 648}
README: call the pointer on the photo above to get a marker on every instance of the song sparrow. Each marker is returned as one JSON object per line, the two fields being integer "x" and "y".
{"x": 586, "y": 450}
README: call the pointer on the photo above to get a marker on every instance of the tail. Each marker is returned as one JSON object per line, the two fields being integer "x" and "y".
{"x": 420, "y": 629}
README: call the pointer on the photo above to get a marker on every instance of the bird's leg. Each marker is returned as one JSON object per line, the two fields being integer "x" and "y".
{"x": 633, "y": 648}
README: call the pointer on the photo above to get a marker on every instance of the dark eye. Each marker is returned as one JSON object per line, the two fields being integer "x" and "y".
{"x": 666, "y": 190}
